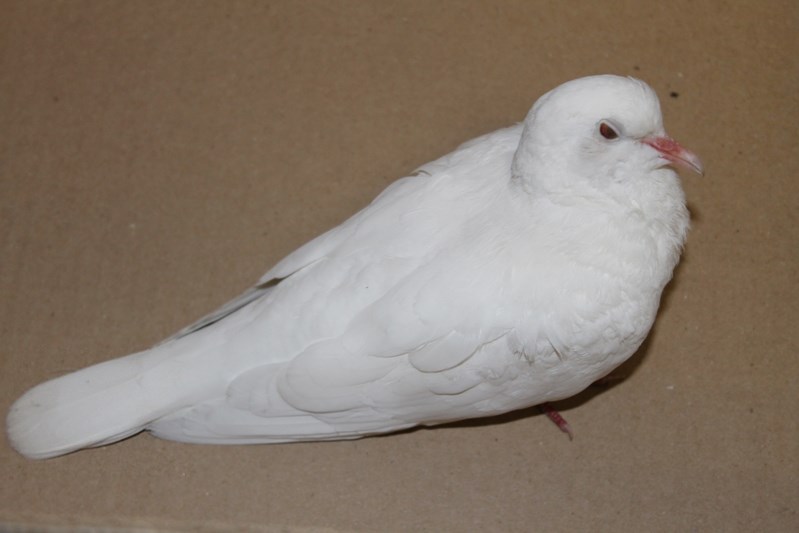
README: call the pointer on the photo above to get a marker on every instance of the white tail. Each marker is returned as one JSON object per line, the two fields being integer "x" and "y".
{"x": 98, "y": 405}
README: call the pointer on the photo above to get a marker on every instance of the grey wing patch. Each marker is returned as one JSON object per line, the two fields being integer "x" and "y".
{"x": 246, "y": 298}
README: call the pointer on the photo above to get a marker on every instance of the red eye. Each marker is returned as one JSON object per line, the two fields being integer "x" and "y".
{"x": 607, "y": 131}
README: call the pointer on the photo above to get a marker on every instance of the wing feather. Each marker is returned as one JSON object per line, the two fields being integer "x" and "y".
{"x": 366, "y": 334}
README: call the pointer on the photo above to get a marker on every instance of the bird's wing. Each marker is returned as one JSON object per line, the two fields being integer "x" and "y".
{"x": 483, "y": 149}
{"x": 382, "y": 322}
{"x": 330, "y": 392}
{"x": 304, "y": 256}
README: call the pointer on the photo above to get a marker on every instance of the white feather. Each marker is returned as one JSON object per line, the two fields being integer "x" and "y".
{"x": 515, "y": 270}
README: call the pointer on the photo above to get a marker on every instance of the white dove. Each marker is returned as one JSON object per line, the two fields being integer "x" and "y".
{"x": 514, "y": 271}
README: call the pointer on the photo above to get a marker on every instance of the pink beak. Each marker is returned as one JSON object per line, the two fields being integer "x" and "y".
{"x": 675, "y": 154}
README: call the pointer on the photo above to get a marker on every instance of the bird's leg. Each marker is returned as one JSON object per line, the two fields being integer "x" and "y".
{"x": 559, "y": 421}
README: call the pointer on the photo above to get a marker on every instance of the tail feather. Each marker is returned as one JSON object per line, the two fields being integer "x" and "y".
{"x": 94, "y": 406}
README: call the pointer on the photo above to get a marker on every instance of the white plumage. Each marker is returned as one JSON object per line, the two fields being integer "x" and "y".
{"x": 516, "y": 270}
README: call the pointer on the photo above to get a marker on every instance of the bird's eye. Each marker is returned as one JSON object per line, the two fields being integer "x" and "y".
{"x": 607, "y": 131}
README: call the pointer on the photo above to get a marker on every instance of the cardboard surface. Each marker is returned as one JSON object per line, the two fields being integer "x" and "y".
{"x": 156, "y": 158}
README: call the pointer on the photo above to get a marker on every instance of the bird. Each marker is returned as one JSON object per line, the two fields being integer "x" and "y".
{"x": 512, "y": 272}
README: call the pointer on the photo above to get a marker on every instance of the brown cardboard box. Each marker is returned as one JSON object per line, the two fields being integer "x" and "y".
{"x": 157, "y": 157}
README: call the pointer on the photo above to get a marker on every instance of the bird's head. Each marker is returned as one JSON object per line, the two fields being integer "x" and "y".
{"x": 600, "y": 128}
